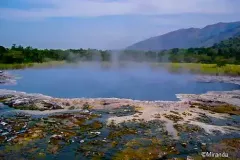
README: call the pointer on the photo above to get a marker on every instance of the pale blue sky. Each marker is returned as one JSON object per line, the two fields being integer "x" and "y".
{"x": 104, "y": 24}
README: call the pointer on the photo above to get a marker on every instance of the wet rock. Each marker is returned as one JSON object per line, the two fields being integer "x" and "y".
{"x": 96, "y": 133}
{"x": 5, "y": 133}
{"x": 3, "y": 123}
{"x": 6, "y": 78}
{"x": 10, "y": 139}
{"x": 51, "y": 105}
{"x": 56, "y": 137}
{"x": 82, "y": 141}
{"x": 23, "y": 101}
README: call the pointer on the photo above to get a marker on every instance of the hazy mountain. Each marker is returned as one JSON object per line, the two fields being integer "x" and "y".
{"x": 191, "y": 37}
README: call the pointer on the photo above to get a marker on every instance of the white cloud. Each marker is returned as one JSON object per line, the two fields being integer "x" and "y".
{"x": 92, "y": 8}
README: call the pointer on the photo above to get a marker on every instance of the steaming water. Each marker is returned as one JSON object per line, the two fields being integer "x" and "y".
{"x": 133, "y": 81}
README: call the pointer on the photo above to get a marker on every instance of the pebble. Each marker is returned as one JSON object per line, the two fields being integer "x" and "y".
{"x": 11, "y": 138}
{"x": 56, "y": 136}
{"x": 82, "y": 141}
{"x": 25, "y": 126}
{"x": 3, "y": 123}
{"x": 86, "y": 111}
{"x": 21, "y": 132}
{"x": 97, "y": 133}
{"x": 5, "y": 133}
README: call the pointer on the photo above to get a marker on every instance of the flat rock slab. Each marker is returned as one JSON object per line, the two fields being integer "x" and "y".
{"x": 6, "y": 78}
{"x": 230, "y": 97}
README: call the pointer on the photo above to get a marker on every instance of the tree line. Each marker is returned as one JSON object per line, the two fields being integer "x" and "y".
{"x": 225, "y": 52}
{"x": 20, "y": 54}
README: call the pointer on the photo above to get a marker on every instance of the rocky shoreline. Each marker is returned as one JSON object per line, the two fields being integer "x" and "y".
{"x": 222, "y": 79}
{"x": 6, "y": 78}
{"x": 112, "y": 128}
{"x": 96, "y": 126}
{"x": 149, "y": 109}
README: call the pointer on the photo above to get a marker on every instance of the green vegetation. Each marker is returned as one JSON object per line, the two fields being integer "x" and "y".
{"x": 230, "y": 146}
{"x": 222, "y": 58}
{"x": 187, "y": 128}
{"x": 223, "y": 108}
{"x": 137, "y": 149}
{"x": 28, "y": 55}
{"x": 226, "y": 52}
{"x": 31, "y": 65}
{"x": 173, "y": 117}
{"x": 212, "y": 69}
{"x": 15, "y": 66}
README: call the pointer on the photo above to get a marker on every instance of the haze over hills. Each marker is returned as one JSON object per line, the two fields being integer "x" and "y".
{"x": 190, "y": 38}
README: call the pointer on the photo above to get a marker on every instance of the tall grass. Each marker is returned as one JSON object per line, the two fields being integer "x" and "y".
{"x": 15, "y": 66}
{"x": 198, "y": 68}
{"x": 31, "y": 65}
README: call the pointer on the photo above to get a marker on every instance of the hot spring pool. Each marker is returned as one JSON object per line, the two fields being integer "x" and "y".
{"x": 96, "y": 81}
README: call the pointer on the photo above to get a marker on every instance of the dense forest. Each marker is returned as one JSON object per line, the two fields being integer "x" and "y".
{"x": 226, "y": 52}
{"x": 19, "y": 54}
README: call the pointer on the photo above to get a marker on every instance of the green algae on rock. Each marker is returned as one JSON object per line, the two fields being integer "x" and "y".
{"x": 114, "y": 130}
{"x": 140, "y": 149}
{"x": 188, "y": 128}
{"x": 229, "y": 146}
{"x": 222, "y": 108}
{"x": 173, "y": 117}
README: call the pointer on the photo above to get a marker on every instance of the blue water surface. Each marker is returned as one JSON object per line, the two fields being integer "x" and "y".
{"x": 96, "y": 81}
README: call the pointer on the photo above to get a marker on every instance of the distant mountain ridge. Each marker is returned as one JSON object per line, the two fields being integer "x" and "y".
{"x": 190, "y": 38}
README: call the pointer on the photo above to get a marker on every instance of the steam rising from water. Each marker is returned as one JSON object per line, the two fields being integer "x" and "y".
{"x": 139, "y": 81}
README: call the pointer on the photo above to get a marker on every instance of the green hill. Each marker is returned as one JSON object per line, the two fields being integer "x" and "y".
{"x": 190, "y": 38}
